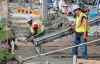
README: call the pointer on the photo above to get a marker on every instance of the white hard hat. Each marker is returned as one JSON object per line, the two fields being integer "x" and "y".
{"x": 75, "y": 6}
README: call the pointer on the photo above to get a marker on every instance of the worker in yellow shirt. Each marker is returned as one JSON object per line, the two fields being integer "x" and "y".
{"x": 81, "y": 33}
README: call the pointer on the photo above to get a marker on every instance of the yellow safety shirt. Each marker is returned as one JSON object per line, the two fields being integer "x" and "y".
{"x": 79, "y": 25}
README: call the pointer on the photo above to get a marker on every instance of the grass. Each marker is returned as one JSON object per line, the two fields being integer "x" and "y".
{"x": 2, "y": 31}
{"x": 5, "y": 55}
{"x": 3, "y": 35}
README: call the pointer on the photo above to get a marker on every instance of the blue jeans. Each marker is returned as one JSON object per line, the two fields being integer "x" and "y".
{"x": 79, "y": 40}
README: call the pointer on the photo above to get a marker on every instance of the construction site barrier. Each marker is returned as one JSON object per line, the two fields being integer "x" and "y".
{"x": 27, "y": 11}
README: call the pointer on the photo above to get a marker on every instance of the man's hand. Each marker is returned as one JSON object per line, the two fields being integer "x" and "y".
{"x": 85, "y": 36}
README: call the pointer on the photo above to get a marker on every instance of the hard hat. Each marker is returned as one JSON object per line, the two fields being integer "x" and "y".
{"x": 75, "y": 7}
{"x": 35, "y": 25}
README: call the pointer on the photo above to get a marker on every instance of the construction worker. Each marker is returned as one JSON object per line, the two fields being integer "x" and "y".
{"x": 81, "y": 30}
{"x": 34, "y": 26}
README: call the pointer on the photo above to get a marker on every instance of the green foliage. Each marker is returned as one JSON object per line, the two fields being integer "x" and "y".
{"x": 5, "y": 55}
{"x": 2, "y": 27}
{"x": 3, "y": 35}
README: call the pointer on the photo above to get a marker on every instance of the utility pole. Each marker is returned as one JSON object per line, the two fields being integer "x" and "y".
{"x": 44, "y": 9}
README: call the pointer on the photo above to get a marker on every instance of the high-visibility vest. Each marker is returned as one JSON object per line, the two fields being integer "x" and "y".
{"x": 79, "y": 25}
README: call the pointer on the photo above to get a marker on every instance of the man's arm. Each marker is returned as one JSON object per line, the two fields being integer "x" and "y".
{"x": 85, "y": 23}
